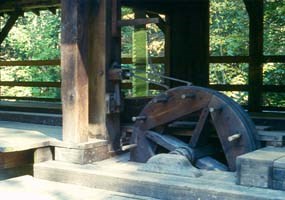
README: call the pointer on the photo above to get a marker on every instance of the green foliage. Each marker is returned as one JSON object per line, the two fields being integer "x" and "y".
{"x": 37, "y": 38}
{"x": 32, "y": 38}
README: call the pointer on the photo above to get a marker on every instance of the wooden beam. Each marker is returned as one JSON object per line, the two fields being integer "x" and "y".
{"x": 27, "y": 5}
{"x": 9, "y": 24}
{"x": 229, "y": 59}
{"x": 30, "y": 63}
{"x": 138, "y": 22}
{"x": 31, "y": 98}
{"x": 161, "y": 24}
{"x": 74, "y": 60}
{"x": 229, "y": 87}
{"x": 255, "y": 11}
{"x": 30, "y": 84}
{"x": 274, "y": 59}
{"x": 154, "y": 60}
{"x": 189, "y": 42}
{"x": 105, "y": 49}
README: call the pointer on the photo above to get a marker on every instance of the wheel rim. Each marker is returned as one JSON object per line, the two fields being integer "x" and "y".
{"x": 234, "y": 129}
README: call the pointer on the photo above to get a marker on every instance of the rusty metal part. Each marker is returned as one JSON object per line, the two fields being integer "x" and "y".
{"x": 218, "y": 121}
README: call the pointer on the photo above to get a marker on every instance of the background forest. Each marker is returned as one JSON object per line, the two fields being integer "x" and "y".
{"x": 37, "y": 38}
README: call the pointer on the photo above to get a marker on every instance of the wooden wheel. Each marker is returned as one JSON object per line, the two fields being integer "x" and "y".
{"x": 204, "y": 125}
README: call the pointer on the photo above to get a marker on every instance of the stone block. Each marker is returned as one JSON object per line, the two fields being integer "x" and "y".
{"x": 278, "y": 185}
{"x": 256, "y": 168}
{"x": 82, "y": 154}
{"x": 279, "y": 174}
{"x": 43, "y": 154}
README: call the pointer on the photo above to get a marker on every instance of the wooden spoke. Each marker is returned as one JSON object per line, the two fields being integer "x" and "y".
{"x": 222, "y": 130}
{"x": 198, "y": 137}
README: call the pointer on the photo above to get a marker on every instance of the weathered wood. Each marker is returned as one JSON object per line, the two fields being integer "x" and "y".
{"x": 256, "y": 168}
{"x": 30, "y": 84}
{"x": 74, "y": 61}
{"x": 255, "y": 12}
{"x": 221, "y": 87}
{"x": 9, "y": 6}
{"x": 39, "y": 63}
{"x": 81, "y": 156}
{"x": 8, "y": 26}
{"x": 229, "y": 59}
{"x": 15, "y": 159}
{"x": 189, "y": 42}
{"x": 31, "y": 98}
{"x": 199, "y": 135}
{"x": 43, "y": 154}
{"x": 138, "y": 22}
{"x": 104, "y": 51}
{"x": 154, "y": 60}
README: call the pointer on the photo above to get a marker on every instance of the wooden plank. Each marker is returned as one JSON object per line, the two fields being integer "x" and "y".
{"x": 30, "y": 84}
{"x": 229, "y": 59}
{"x": 154, "y": 60}
{"x": 220, "y": 87}
{"x": 255, "y": 11}
{"x": 15, "y": 159}
{"x": 138, "y": 21}
{"x": 274, "y": 59}
{"x": 30, "y": 63}
{"x": 74, "y": 60}
{"x": 8, "y": 26}
{"x": 31, "y": 98}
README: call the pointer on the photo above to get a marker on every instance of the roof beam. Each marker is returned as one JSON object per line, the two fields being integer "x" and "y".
{"x": 9, "y": 24}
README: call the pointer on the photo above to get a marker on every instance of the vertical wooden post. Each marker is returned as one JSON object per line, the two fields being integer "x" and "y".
{"x": 190, "y": 42}
{"x": 104, "y": 49}
{"x": 74, "y": 62}
{"x": 255, "y": 11}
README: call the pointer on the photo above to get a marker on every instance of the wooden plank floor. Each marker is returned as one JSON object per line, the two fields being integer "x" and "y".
{"x": 15, "y": 136}
{"x": 27, "y": 187}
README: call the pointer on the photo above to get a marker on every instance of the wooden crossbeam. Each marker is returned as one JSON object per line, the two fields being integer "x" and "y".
{"x": 30, "y": 84}
{"x": 9, "y": 6}
{"x": 9, "y": 24}
{"x": 30, "y": 63}
{"x": 139, "y": 21}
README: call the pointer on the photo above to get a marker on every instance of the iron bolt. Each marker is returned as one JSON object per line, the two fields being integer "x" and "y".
{"x": 234, "y": 137}
{"x": 142, "y": 118}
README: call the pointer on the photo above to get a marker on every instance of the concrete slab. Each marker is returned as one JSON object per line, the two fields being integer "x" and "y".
{"x": 15, "y": 136}
{"x": 27, "y": 187}
{"x": 124, "y": 177}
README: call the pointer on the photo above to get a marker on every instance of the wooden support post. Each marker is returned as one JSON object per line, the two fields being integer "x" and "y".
{"x": 9, "y": 24}
{"x": 189, "y": 42}
{"x": 74, "y": 62}
{"x": 255, "y": 12}
{"x": 104, "y": 121}
{"x": 140, "y": 87}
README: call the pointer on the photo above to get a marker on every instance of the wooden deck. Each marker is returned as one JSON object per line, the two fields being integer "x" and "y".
{"x": 15, "y": 136}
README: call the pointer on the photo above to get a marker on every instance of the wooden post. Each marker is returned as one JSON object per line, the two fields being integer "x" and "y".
{"x": 104, "y": 122}
{"x": 74, "y": 62}
{"x": 255, "y": 11}
{"x": 189, "y": 38}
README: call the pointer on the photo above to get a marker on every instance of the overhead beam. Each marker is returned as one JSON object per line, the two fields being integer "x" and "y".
{"x": 9, "y": 25}
{"x": 9, "y": 6}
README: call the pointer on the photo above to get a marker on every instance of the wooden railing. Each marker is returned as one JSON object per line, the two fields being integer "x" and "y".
{"x": 33, "y": 63}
